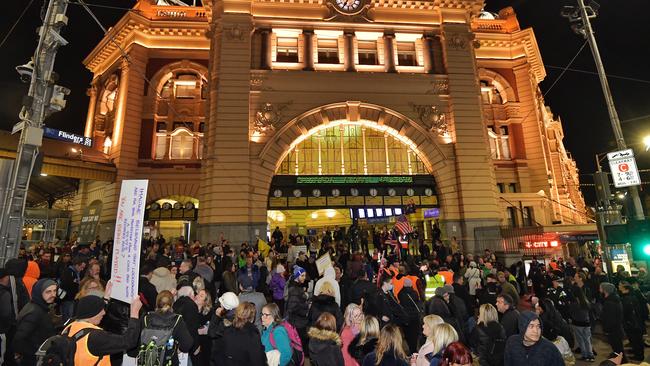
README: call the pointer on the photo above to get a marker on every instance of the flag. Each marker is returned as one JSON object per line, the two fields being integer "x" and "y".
{"x": 403, "y": 225}
{"x": 263, "y": 247}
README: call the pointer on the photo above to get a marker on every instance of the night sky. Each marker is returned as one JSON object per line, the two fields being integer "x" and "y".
{"x": 577, "y": 98}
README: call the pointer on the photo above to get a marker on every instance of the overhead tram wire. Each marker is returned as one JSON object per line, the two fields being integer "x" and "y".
{"x": 103, "y": 6}
{"x": 20, "y": 17}
{"x": 595, "y": 73}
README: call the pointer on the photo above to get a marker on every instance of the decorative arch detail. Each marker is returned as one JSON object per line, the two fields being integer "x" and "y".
{"x": 374, "y": 116}
{"x": 162, "y": 75}
{"x": 502, "y": 85}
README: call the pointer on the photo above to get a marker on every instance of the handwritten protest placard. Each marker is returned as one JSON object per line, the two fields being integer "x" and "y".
{"x": 323, "y": 263}
{"x": 127, "y": 239}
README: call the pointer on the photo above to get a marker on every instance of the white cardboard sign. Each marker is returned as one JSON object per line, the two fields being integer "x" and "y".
{"x": 128, "y": 239}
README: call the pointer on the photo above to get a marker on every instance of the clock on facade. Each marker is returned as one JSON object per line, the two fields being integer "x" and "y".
{"x": 428, "y": 192}
{"x": 315, "y": 193}
{"x": 373, "y": 192}
{"x": 410, "y": 191}
{"x": 349, "y": 6}
{"x": 392, "y": 192}
{"x": 336, "y": 192}
{"x": 277, "y": 193}
{"x": 354, "y": 192}
{"x": 297, "y": 193}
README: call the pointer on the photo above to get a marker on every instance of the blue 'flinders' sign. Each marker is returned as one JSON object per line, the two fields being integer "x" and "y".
{"x": 67, "y": 136}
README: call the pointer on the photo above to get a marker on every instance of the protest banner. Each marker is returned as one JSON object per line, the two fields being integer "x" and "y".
{"x": 128, "y": 239}
{"x": 323, "y": 263}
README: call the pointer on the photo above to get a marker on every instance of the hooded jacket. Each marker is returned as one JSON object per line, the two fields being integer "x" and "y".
{"x": 34, "y": 324}
{"x": 17, "y": 267}
{"x": 32, "y": 274}
{"x": 324, "y": 348}
{"x": 483, "y": 338}
{"x": 163, "y": 279}
{"x": 297, "y": 309}
{"x": 542, "y": 353}
{"x": 329, "y": 275}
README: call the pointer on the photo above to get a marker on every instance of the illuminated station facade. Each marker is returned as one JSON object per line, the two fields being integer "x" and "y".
{"x": 245, "y": 115}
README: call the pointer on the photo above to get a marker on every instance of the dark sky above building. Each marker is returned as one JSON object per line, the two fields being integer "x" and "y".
{"x": 577, "y": 97}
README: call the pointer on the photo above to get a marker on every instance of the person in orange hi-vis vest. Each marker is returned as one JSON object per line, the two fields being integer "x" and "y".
{"x": 96, "y": 347}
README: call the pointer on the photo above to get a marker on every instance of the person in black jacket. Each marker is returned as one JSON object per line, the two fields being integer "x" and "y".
{"x": 164, "y": 318}
{"x": 554, "y": 322}
{"x": 488, "y": 337}
{"x": 221, "y": 320}
{"x": 70, "y": 280}
{"x": 461, "y": 291}
{"x": 613, "y": 321}
{"x": 325, "y": 303}
{"x": 411, "y": 303}
{"x": 148, "y": 291}
{"x": 297, "y": 308}
{"x": 324, "y": 342}
{"x": 458, "y": 311}
{"x": 366, "y": 341}
{"x": 242, "y": 341}
{"x": 633, "y": 324}
{"x": 529, "y": 347}
{"x": 579, "y": 312}
{"x": 509, "y": 315}
{"x": 34, "y": 324}
{"x": 388, "y": 307}
{"x": 185, "y": 306}
{"x": 364, "y": 293}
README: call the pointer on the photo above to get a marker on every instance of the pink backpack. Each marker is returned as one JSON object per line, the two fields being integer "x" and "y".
{"x": 297, "y": 353}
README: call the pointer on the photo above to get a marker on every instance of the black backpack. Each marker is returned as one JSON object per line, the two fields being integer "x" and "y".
{"x": 60, "y": 349}
{"x": 157, "y": 344}
{"x": 496, "y": 354}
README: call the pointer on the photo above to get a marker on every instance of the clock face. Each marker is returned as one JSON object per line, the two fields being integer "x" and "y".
{"x": 354, "y": 192}
{"x": 410, "y": 191}
{"x": 391, "y": 192}
{"x": 297, "y": 193}
{"x": 277, "y": 193}
{"x": 336, "y": 192}
{"x": 316, "y": 193}
{"x": 373, "y": 192}
{"x": 428, "y": 192}
{"x": 348, "y": 6}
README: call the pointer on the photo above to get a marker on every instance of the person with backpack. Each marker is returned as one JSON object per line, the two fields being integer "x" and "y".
{"x": 93, "y": 345}
{"x": 34, "y": 323}
{"x": 297, "y": 308}
{"x": 274, "y": 335}
{"x": 488, "y": 338}
{"x": 163, "y": 334}
{"x": 242, "y": 344}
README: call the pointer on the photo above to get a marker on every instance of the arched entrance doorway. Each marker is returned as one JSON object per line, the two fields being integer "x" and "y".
{"x": 346, "y": 171}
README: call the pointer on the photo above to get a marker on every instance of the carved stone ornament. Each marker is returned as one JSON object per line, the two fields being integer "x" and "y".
{"x": 432, "y": 118}
{"x": 257, "y": 82}
{"x": 267, "y": 117}
{"x": 439, "y": 87}
{"x": 457, "y": 42}
{"x": 234, "y": 33}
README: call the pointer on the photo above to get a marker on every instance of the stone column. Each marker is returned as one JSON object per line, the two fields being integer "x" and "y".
{"x": 349, "y": 51}
{"x": 120, "y": 108}
{"x": 266, "y": 50}
{"x": 428, "y": 53}
{"x": 476, "y": 182}
{"x": 92, "y": 103}
{"x": 389, "y": 52}
{"x": 308, "y": 49}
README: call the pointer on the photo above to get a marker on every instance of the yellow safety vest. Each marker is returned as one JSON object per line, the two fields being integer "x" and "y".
{"x": 433, "y": 282}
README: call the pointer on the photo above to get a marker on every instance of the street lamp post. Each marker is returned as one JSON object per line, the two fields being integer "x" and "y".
{"x": 579, "y": 19}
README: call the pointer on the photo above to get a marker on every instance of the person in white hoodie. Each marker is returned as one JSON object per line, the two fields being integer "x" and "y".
{"x": 329, "y": 276}
{"x": 163, "y": 279}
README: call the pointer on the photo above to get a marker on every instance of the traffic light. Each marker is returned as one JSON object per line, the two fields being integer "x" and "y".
{"x": 639, "y": 232}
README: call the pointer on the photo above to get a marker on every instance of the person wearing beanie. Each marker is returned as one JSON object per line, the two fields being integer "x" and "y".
{"x": 34, "y": 324}
{"x": 297, "y": 308}
{"x": 613, "y": 322}
{"x": 529, "y": 347}
{"x": 221, "y": 320}
{"x": 96, "y": 347}
{"x": 410, "y": 301}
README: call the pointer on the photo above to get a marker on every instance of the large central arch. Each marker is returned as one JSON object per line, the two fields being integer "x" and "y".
{"x": 429, "y": 147}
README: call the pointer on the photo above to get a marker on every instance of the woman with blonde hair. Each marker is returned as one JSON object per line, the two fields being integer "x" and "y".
{"x": 352, "y": 320}
{"x": 445, "y": 334}
{"x": 242, "y": 341}
{"x": 390, "y": 349}
{"x": 325, "y": 302}
{"x": 366, "y": 341}
{"x": 488, "y": 337}
{"x": 90, "y": 286}
{"x": 428, "y": 325}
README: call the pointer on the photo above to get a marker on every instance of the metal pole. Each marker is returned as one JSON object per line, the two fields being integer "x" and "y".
{"x": 44, "y": 98}
{"x": 611, "y": 108}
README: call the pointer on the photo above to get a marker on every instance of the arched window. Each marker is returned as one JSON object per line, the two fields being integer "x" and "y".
{"x": 109, "y": 94}
{"x": 499, "y": 142}
{"x": 490, "y": 93}
{"x": 182, "y": 144}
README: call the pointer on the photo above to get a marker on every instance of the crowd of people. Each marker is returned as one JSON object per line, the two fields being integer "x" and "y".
{"x": 379, "y": 304}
